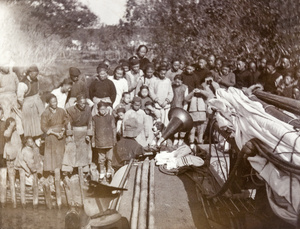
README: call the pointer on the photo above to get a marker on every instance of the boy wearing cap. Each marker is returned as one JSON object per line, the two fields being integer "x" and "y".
{"x": 128, "y": 148}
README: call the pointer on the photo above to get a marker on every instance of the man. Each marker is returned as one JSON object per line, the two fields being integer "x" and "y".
{"x": 243, "y": 76}
{"x": 78, "y": 153}
{"x": 271, "y": 80}
{"x": 102, "y": 89}
{"x": 201, "y": 70}
{"x": 78, "y": 87}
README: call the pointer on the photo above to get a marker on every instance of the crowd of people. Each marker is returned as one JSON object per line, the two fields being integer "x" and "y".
{"x": 91, "y": 126}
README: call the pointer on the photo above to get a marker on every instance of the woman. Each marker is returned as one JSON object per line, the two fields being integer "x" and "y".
{"x": 32, "y": 105}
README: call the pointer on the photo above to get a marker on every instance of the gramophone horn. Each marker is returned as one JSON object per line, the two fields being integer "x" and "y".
{"x": 180, "y": 120}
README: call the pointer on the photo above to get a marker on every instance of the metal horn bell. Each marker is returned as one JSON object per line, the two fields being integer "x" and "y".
{"x": 180, "y": 120}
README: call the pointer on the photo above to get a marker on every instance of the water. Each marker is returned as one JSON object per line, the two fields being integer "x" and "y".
{"x": 29, "y": 218}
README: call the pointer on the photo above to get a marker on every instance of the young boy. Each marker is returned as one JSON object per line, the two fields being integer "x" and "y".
{"x": 161, "y": 93}
{"x": 104, "y": 138}
{"x": 175, "y": 69}
{"x": 120, "y": 116}
{"x": 140, "y": 116}
{"x": 3, "y": 169}
{"x": 125, "y": 102}
{"x": 128, "y": 148}
{"x": 12, "y": 147}
{"x": 29, "y": 164}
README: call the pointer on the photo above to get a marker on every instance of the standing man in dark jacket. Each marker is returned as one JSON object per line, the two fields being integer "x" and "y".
{"x": 102, "y": 89}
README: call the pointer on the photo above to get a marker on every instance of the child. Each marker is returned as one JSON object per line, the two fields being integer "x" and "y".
{"x": 12, "y": 147}
{"x": 104, "y": 138}
{"x": 197, "y": 110}
{"x": 120, "y": 116}
{"x": 189, "y": 77}
{"x": 146, "y": 79}
{"x": 285, "y": 86}
{"x": 125, "y": 102}
{"x": 161, "y": 93}
{"x": 120, "y": 83}
{"x": 136, "y": 113}
{"x": 180, "y": 92}
{"x": 133, "y": 75}
{"x": 144, "y": 95}
{"x": 175, "y": 70}
{"x": 128, "y": 148}
{"x": 29, "y": 163}
{"x": 152, "y": 116}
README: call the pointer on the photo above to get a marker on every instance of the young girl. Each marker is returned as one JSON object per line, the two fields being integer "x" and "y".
{"x": 147, "y": 79}
{"x": 133, "y": 75}
{"x": 161, "y": 93}
{"x": 104, "y": 139}
{"x": 120, "y": 83}
{"x": 180, "y": 92}
{"x": 144, "y": 95}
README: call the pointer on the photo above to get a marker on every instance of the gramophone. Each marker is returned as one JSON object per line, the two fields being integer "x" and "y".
{"x": 180, "y": 121}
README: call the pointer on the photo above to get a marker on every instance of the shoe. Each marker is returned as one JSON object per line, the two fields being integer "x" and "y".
{"x": 102, "y": 171}
{"x": 110, "y": 170}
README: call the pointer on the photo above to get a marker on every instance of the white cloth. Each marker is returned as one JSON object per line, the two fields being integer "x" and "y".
{"x": 61, "y": 97}
{"x": 121, "y": 86}
{"x": 248, "y": 120}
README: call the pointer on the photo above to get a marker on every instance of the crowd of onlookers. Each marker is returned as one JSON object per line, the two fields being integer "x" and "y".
{"x": 90, "y": 126}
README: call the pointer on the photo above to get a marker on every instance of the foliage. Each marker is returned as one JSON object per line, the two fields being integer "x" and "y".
{"x": 229, "y": 28}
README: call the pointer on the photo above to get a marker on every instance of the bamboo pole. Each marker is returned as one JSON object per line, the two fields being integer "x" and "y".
{"x": 151, "y": 220}
{"x": 81, "y": 182}
{"x": 57, "y": 187}
{"x": 143, "y": 208}
{"x": 3, "y": 178}
{"x": 11, "y": 176}
{"x": 47, "y": 192}
{"x": 35, "y": 189}
{"x": 136, "y": 198}
{"x": 22, "y": 187}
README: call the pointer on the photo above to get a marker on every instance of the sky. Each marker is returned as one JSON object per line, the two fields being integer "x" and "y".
{"x": 109, "y": 11}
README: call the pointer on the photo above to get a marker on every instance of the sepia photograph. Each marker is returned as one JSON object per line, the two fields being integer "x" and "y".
{"x": 149, "y": 114}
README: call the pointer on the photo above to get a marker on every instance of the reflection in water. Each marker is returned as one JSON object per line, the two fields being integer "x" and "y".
{"x": 29, "y": 218}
